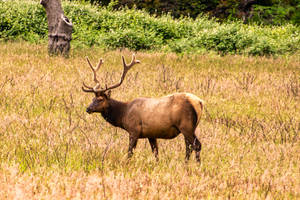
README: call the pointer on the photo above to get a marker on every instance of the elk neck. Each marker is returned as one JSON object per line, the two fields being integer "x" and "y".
{"x": 114, "y": 112}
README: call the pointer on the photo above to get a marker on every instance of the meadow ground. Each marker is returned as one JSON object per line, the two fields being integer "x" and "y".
{"x": 50, "y": 148}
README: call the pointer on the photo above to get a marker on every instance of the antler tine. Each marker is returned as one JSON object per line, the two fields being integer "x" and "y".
{"x": 133, "y": 61}
{"x": 87, "y": 88}
{"x": 125, "y": 70}
{"x": 95, "y": 69}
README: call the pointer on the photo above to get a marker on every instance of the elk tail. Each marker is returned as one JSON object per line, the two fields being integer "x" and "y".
{"x": 198, "y": 105}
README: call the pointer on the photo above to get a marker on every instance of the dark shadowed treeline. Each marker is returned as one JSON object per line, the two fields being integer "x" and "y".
{"x": 265, "y": 12}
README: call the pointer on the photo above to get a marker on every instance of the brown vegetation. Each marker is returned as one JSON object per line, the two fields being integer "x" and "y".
{"x": 51, "y": 149}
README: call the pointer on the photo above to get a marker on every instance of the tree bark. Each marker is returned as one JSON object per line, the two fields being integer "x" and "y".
{"x": 59, "y": 28}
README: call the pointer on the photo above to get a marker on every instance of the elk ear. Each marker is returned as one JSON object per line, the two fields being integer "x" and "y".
{"x": 108, "y": 94}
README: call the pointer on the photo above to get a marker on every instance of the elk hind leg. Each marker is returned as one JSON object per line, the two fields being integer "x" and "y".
{"x": 188, "y": 149}
{"x": 197, "y": 148}
{"x": 191, "y": 142}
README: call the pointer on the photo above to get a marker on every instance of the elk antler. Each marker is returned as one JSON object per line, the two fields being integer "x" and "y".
{"x": 93, "y": 89}
{"x": 126, "y": 68}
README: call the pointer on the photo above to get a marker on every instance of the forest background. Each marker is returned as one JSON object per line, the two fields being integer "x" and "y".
{"x": 243, "y": 28}
{"x": 262, "y": 12}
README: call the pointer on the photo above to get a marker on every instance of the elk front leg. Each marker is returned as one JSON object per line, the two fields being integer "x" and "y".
{"x": 154, "y": 147}
{"x": 132, "y": 145}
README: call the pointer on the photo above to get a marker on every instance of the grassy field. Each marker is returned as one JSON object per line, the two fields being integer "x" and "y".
{"x": 50, "y": 148}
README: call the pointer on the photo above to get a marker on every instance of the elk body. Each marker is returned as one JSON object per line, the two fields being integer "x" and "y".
{"x": 150, "y": 118}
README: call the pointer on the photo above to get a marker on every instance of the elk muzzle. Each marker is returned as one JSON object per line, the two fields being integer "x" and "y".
{"x": 95, "y": 106}
{"x": 88, "y": 110}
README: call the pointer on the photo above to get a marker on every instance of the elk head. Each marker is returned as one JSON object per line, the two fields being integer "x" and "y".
{"x": 102, "y": 95}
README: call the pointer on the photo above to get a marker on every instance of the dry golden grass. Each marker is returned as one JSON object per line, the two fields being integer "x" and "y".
{"x": 51, "y": 149}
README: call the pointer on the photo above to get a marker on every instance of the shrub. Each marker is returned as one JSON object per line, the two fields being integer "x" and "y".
{"x": 22, "y": 20}
{"x": 224, "y": 39}
{"x": 137, "y": 30}
{"x": 135, "y": 40}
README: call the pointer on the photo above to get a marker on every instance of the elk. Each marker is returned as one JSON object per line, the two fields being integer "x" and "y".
{"x": 151, "y": 118}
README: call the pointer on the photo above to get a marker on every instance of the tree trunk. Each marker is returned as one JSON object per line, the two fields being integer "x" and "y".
{"x": 59, "y": 28}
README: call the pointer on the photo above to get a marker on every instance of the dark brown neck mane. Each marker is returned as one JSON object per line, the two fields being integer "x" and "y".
{"x": 114, "y": 112}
